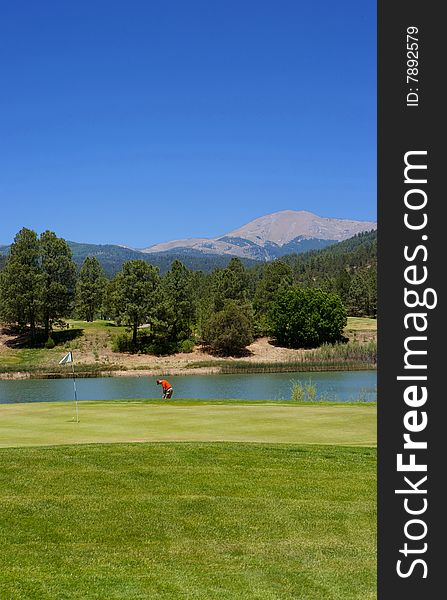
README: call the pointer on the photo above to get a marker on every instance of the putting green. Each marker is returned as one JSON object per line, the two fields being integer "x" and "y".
{"x": 51, "y": 423}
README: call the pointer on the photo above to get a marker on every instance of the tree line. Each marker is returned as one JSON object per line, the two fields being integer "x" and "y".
{"x": 40, "y": 286}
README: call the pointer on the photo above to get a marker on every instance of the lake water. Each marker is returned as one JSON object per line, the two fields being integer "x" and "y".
{"x": 335, "y": 385}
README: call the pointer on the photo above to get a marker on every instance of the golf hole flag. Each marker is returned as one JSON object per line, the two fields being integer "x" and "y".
{"x": 68, "y": 358}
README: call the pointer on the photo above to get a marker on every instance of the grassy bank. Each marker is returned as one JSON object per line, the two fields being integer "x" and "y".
{"x": 353, "y": 356}
{"x": 92, "y": 343}
{"x": 211, "y": 521}
{"x": 51, "y": 423}
{"x": 89, "y": 340}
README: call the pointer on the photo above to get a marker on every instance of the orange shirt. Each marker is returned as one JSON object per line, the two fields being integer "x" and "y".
{"x": 165, "y": 385}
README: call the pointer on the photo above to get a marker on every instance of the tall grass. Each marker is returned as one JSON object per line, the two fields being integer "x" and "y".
{"x": 308, "y": 392}
{"x": 48, "y": 372}
{"x": 353, "y": 356}
{"x": 353, "y": 351}
{"x": 304, "y": 392}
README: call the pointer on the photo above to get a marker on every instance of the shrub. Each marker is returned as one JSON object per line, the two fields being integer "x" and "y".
{"x": 307, "y": 318}
{"x": 147, "y": 343}
{"x": 262, "y": 326}
{"x": 50, "y": 343}
{"x": 160, "y": 346}
{"x": 228, "y": 331}
{"x": 122, "y": 343}
{"x": 186, "y": 346}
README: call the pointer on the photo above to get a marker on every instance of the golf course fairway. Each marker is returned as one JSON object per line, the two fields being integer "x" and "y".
{"x": 195, "y": 501}
{"x": 50, "y": 423}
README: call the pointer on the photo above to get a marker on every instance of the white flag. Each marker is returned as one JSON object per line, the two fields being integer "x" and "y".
{"x": 68, "y": 358}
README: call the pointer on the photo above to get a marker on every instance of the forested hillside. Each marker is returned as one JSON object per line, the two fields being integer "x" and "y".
{"x": 41, "y": 284}
{"x": 348, "y": 268}
{"x": 112, "y": 257}
{"x": 311, "y": 266}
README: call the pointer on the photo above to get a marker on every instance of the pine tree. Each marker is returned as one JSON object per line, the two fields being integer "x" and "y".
{"x": 178, "y": 298}
{"x": 21, "y": 282}
{"x": 59, "y": 279}
{"x": 136, "y": 294}
{"x": 90, "y": 288}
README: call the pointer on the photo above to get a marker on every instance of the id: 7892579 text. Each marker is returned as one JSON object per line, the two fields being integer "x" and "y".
{"x": 412, "y": 66}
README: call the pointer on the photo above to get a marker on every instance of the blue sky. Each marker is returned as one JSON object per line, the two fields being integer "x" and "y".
{"x": 143, "y": 121}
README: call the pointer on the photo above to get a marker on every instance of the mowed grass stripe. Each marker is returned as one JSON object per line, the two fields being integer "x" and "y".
{"x": 117, "y": 422}
{"x": 191, "y": 521}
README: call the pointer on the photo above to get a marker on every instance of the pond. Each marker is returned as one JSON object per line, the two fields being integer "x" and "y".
{"x": 337, "y": 386}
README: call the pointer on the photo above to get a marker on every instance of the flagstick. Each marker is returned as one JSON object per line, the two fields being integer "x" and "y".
{"x": 75, "y": 392}
{"x": 69, "y": 358}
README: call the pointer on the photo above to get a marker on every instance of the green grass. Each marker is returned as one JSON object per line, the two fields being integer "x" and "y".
{"x": 98, "y": 325}
{"x": 47, "y": 423}
{"x": 82, "y": 336}
{"x": 92, "y": 338}
{"x": 329, "y": 357}
{"x": 25, "y": 358}
{"x": 192, "y": 521}
{"x": 361, "y": 324}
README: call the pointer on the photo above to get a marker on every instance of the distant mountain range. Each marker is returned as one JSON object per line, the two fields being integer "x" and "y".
{"x": 264, "y": 239}
{"x": 272, "y": 236}
{"x": 112, "y": 257}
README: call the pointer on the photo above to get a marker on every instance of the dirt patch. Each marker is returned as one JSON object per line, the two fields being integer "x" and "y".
{"x": 260, "y": 351}
{"x": 93, "y": 351}
{"x": 7, "y": 338}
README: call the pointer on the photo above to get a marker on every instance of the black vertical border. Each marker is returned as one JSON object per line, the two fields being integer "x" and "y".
{"x": 402, "y": 129}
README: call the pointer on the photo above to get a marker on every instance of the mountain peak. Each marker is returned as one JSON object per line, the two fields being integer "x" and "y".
{"x": 286, "y": 225}
{"x": 273, "y": 235}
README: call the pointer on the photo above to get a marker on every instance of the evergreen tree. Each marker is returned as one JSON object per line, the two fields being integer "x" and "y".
{"x": 276, "y": 276}
{"x": 203, "y": 298}
{"x": 342, "y": 285}
{"x": 179, "y": 301}
{"x": 229, "y": 284}
{"x": 59, "y": 279}
{"x": 21, "y": 282}
{"x": 136, "y": 294}
{"x": 90, "y": 289}
{"x": 362, "y": 296}
{"x": 108, "y": 306}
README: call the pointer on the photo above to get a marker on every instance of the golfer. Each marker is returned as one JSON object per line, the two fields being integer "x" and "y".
{"x": 167, "y": 388}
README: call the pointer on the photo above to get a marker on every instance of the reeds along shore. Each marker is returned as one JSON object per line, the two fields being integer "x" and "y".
{"x": 353, "y": 356}
{"x": 337, "y": 357}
